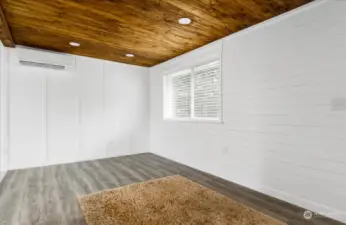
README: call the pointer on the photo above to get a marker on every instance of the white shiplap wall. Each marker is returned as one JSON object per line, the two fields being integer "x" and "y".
{"x": 3, "y": 111}
{"x": 97, "y": 110}
{"x": 280, "y": 134}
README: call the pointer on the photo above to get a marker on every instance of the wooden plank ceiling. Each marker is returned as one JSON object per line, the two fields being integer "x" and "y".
{"x": 108, "y": 29}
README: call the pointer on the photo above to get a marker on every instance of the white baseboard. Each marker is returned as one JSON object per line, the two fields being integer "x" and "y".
{"x": 320, "y": 209}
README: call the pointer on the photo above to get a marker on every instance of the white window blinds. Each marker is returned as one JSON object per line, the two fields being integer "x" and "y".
{"x": 194, "y": 94}
{"x": 181, "y": 94}
{"x": 206, "y": 81}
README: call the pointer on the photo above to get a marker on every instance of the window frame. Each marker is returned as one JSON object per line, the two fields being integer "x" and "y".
{"x": 166, "y": 95}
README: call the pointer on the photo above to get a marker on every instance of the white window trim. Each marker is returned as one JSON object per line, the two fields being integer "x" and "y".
{"x": 192, "y": 118}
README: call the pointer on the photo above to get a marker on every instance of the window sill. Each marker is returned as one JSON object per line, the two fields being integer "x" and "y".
{"x": 216, "y": 121}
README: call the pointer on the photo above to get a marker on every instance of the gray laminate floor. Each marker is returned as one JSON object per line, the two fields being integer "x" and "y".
{"x": 48, "y": 195}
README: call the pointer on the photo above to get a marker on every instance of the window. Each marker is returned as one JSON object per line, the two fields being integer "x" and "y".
{"x": 194, "y": 94}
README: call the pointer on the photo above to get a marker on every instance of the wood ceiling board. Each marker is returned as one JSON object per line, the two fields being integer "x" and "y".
{"x": 108, "y": 29}
{"x": 5, "y": 33}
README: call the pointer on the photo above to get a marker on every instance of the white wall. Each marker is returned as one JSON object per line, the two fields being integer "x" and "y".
{"x": 3, "y": 111}
{"x": 99, "y": 109}
{"x": 280, "y": 135}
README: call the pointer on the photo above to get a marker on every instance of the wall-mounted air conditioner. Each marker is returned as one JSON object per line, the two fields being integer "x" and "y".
{"x": 45, "y": 59}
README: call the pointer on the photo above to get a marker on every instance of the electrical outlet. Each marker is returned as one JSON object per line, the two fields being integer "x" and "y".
{"x": 338, "y": 104}
{"x": 225, "y": 150}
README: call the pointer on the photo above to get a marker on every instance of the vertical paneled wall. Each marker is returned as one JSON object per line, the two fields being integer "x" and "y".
{"x": 2, "y": 169}
{"x": 97, "y": 109}
{"x": 3, "y": 111}
{"x": 284, "y": 123}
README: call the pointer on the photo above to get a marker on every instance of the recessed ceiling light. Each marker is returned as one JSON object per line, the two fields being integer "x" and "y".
{"x": 74, "y": 44}
{"x": 184, "y": 21}
{"x": 130, "y": 55}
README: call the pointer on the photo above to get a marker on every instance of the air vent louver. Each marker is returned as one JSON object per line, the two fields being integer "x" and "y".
{"x": 43, "y": 65}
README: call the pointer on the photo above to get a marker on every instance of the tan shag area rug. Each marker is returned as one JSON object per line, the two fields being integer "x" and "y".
{"x": 167, "y": 201}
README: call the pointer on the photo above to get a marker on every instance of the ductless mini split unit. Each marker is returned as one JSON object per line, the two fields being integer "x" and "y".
{"x": 44, "y": 59}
